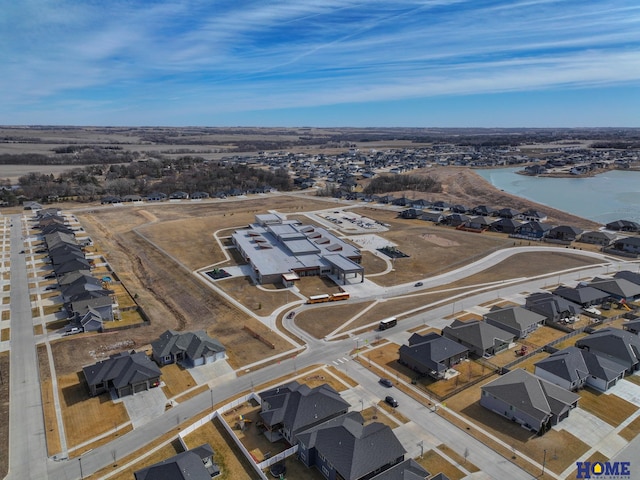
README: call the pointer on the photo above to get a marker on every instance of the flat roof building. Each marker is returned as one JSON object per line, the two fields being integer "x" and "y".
{"x": 276, "y": 248}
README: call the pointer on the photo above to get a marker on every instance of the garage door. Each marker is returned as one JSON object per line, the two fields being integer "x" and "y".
{"x": 141, "y": 387}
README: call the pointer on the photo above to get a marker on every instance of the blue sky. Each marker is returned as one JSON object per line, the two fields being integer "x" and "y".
{"x": 415, "y": 63}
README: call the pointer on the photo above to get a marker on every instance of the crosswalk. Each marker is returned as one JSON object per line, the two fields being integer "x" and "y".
{"x": 340, "y": 361}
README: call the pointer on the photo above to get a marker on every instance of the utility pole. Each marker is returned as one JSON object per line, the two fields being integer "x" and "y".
{"x": 80, "y": 462}
{"x": 544, "y": 460}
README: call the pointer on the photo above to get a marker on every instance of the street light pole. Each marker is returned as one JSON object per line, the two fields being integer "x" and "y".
{"x": 80, "y": 462}
{"x": 544, "y": 460}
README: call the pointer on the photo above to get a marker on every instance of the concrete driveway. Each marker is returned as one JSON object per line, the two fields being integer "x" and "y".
{"x": 145, "y": 406}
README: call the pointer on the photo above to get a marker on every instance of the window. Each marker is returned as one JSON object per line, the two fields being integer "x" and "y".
{"x": 325, "y": 470}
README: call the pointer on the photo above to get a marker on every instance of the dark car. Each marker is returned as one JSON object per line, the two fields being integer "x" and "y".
{"x": 277, "y": 470}
{"x": 391, "y": 401}
{"x": 385, "y": 382}
{"x": 419, "y": 284}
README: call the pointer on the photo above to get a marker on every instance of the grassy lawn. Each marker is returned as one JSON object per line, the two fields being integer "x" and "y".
{"x": 543, "y": 335}
{"x": 342, "y": 376}
{"x": 322, "y": 376}
{"x": 372, "y": 414}
{"x": 322, "y": 320}
{"x": 566, "y": 447}
{"x": 50, "y": 309}
{"x": 86, "y": 417}
{"x": 633, "y": 379}
{"x": 610, "y": 408}
{"x": 256, "y": 299}
{"x": 316, "y": 285}
{"x": 130, "y": 317}
{"x": 453, "y": 455}
{"x": 435, "y": 463}
{"x": 177, "y": 380}
{"x": 596, "y": 457}
{"x": 393, "y": 412}
{"x": 631, "y": 430}
{"x": 4, "y": 414}
{"x": 167, "y": 451}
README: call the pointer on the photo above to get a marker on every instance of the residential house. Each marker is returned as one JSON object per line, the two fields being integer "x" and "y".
{"x": 632, "y": 326}
{"x": 553, "y": 307}
{"x": 194, "y": 464}
{"x": 573, "y": 368}
{"x": 531, "y": 401}
{"x": 516, "y": 320}
{"x": 406, "y": 470}
{"x": 292, "y": 408}
{"x": 482, "y": 211}
{"x": 457, "y": 208}
{"x": 627, "y": 245}
{"x": 410, "y": 213}
{"x": 199, "y": 195}
{"x": 345, "y": 448}
{"x": 431, "y": 354}
{"x": 506, "y": 213}
{"x": 565, "y": 233}
{"x": 633, "y": 277}
{"x": 505, "y": 225}
{"x": 623, "y": 226}
{"x": 190, "y": 348}
{"x": 479, "y": 223}
{"x": 620, "y": 346}
{"x": 534, "y": 230}
{"x": 597, "y": 238}
{"x": 481, "y": 338}
{"x": 617, "y": 288}
{"x": 532, "y": 215}
{"x": 456, "y": 219}
{"x": 582, "y": 295}
{"x": 435, "y": 217}
{"x": 127, "y": 373}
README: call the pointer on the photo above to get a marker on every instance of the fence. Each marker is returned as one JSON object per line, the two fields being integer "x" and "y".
{"x": 219, "y": 415}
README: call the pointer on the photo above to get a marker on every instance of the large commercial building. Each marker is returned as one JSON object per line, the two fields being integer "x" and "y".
{"x": 280, "y": 250}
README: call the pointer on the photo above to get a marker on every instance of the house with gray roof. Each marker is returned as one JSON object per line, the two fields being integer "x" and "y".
{"x": 531, "y": 401}
{"x": 565, "y": 233}
{"x": 431, "y": 354}
{"x": 632, "y": 326}
{"x": 406, "y": 470}
{"x": 291, "y": 408}
{"x": 633, "y": 277}
{"x": 597, "y": 237}
{"x": 517, "y": 320}
{"x": 190, "y": 349}
{"x": 573, "y": 368}
{"x": 345, "y": 448}
{"x": 553, "y": 307}
{"x": 127, "y": 373}
{"x": 481, "y": 338}
{"x": 194, "y": 464}
{"x": 629, "y": 245}
{"x": 582, "y": 295}
{"x": 618, "y": 288}
{"x": 619, "y": 346}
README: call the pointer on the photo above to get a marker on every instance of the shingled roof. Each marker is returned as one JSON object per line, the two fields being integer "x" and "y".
{"x": 352, "y": 448}
{"x": 193, "y": 344}
{"x": 122, "y": 369}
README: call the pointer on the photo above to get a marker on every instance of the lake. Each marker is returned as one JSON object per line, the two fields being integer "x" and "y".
{"x": 613, "y": 195}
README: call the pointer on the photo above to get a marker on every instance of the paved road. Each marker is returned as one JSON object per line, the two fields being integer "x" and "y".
{"x": 27, "y": 452}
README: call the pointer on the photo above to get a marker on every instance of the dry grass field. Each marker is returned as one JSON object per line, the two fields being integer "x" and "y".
{"x": 435, "y": 463}
{"x": 5, "y": 335}
{"x": 631, "y": 431}
{"x": 566, "y": 447}
{"x": 610, "y": 408}
{"x": 163, "y": 453}
{"x": 323, "y": 319}
{"x": 256, "y": 299}
{"x": 459, "y": 459}
{"x": 177, "y": 380}
{"x": 86, "y": 417}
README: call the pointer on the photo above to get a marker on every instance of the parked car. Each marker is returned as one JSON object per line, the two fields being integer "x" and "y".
{"x": 418, "y": 284}
{"x": 391, "y": 401}
{"x": 73, "y": 331}
{"x": 385, "y": 382}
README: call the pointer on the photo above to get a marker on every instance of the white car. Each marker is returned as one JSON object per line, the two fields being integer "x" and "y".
{"x": 593, "y": 310}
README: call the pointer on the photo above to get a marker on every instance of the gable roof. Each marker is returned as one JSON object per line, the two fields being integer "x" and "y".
{"x": 515, "y": 317}
{"x": 122, "y": 369}
{"x": 581, "y": 295}
{"x": 352, "y": 448}
{"x": 531, "y": 394}
{"x": 407, "y": 470}
{"x": 616, "y": 286}
{"x": 620, "y": 346}
{"x": 633, "y": 277}
{"x": 194, "y": 344}
{"x": 432, "y": 350}
{"x": 575, "y": 364}
{"x": 297, "y": 406}
{"x": 477, "y": 333}
{"x": 183, "y": 466}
